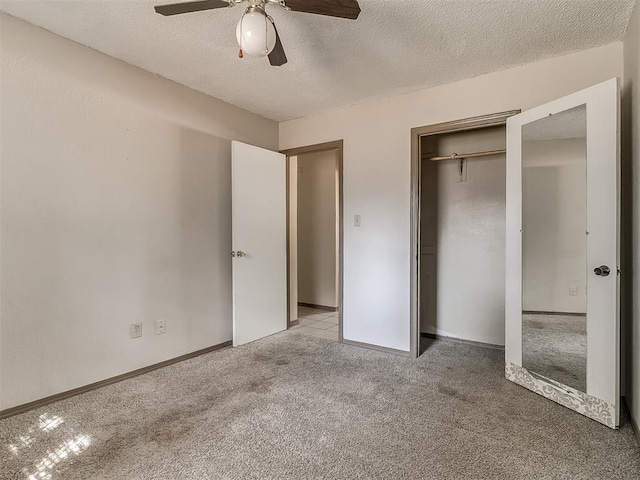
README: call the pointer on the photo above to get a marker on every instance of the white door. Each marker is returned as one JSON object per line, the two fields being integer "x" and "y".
{"x": 562, "y": 283}
{"x": 259, "y": 229}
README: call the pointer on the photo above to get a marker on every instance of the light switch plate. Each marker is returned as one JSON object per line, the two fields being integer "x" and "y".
{"x": 356, "y": 221}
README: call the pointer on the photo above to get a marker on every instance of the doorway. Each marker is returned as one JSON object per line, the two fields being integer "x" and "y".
{"x": 315, "y": 240}
{"x": 457, "y": 215}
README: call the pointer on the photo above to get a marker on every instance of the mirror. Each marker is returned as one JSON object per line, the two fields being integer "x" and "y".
{"x": 554, "y": 247}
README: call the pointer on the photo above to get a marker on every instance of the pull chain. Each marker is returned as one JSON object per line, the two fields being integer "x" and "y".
{"x": 266, "y": 35}
{"x": 240, "y": 52}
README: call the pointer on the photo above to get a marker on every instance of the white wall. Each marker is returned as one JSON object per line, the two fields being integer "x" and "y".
{"x": 554, "y": 254}
{"x": 377, "y": 153}
{"x": 632, "y": 196}
{"x": 115, "y": 208}
{"x": 316, "y": 212}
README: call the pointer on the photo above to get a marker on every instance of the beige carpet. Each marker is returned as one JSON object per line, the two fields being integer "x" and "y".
{"x": 297, "y": 407}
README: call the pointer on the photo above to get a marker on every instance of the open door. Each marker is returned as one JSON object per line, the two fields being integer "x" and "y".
{"x": 562, "y": 285}
{"x": 259, "y": 230}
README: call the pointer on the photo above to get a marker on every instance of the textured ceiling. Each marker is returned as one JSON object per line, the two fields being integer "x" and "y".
{"x": 395, "y": 46}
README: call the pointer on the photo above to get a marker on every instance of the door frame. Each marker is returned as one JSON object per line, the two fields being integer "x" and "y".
{"x": 472, "y": 123}
{"x": 338, "y": 146}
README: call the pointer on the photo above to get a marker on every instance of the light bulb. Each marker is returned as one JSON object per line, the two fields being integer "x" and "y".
{"x": 255, "y": 34}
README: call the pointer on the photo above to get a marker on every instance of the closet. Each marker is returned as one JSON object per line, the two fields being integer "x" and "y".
{"x": 461, "y": 253}
{"x": 516, "y": 241}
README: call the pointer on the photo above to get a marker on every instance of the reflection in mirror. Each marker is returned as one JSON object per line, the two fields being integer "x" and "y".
{"x": 554, "y": 247}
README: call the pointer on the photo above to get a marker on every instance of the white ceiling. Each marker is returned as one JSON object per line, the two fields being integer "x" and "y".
{"x": 395, "y": 46}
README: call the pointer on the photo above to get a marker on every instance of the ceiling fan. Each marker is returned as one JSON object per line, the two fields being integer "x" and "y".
{"x": 256, "y": 32}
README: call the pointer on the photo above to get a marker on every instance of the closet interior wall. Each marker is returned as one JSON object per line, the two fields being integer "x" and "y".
{"x": 462, "y": 231}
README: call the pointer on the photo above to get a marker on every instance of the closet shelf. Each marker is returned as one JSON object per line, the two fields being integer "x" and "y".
{"x": 459, "y": 156}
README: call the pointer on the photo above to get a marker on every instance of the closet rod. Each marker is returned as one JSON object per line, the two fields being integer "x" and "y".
{"x": 458, "y": 156}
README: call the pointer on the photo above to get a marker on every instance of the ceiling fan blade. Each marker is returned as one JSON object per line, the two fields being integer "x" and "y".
{"x": 277, "y": 57}
{"x": 332, "y": 8}
{"x": 188, "y": 7}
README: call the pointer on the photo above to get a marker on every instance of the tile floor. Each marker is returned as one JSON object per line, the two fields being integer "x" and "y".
{"x": 317, "y": 323}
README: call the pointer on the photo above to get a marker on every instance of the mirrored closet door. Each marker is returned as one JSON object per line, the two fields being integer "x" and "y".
{"x": 562, "y": 307}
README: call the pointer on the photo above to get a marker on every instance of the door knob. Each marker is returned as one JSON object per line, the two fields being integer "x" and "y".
{"x": 240, "y": 253}
{"x": 602, "y": 271}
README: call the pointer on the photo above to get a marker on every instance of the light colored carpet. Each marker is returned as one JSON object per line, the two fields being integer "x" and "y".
{"x": 556, "y": 346}
{"x": 297, "y": 407}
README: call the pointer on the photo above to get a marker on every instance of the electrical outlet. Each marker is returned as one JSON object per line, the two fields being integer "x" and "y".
{"x": 160, "y": 327}
{"x": 573, "y": 291}
{"x": 356, "y": 221}
{"x": 135, "y": 330}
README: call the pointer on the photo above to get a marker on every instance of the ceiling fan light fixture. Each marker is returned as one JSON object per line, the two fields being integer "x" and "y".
{"x": 255, "y": 34}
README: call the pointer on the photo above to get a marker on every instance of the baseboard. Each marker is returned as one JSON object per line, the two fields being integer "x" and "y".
{"x": 632, "y": 421}
{"x": 462, "y": 340}
{"x": 293, "y": 323}
{"x": 564, "y": 314}
{"x": 319, "y": 307}
{"x": 9, "y": 412}
{"x": 377, "y": 348}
